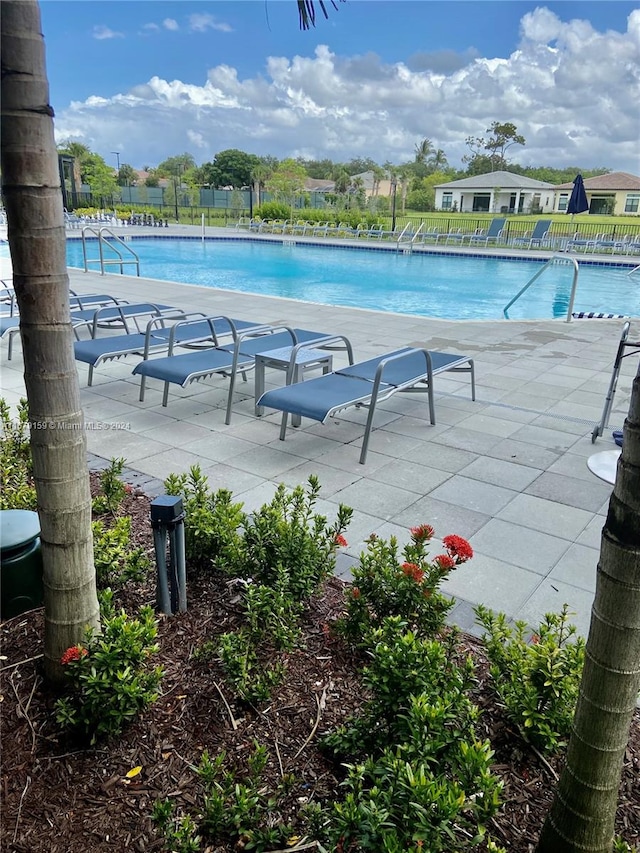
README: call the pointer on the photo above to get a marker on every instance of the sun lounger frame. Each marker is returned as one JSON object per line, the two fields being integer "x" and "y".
{"x": 368, "y": 392}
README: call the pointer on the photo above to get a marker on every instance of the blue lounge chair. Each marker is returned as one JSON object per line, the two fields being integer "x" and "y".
{"x": 237, "y": 357}
{"x": 493, "y": 234}
{"x": 83, "y": 307}
{"x": 538, "y": 237}
{"x": 366, "y": 384}
{"x": 157, "y": 337}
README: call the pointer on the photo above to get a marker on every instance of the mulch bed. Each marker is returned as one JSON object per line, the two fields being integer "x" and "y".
{"x": 57, "y": 798}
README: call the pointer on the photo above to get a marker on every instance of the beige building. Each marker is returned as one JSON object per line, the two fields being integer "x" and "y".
{"x": 617, "y": 193}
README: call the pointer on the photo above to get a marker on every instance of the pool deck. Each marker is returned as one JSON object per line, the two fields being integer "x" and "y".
{"x": 508, "y": 471}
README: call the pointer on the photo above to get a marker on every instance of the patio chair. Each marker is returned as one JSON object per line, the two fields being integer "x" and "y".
{"x": 455, "y": 236}
{"x": 238, "y": 357}
{"x": 493, "y": 234}
{"x": 365, "y": 384}
{"x": 83, "y": 307}
{"x": 580, "y": 243}
{"x": 157, "y": 336}
{"x": 539, "y": 236}
{"x": 611, "y": 244}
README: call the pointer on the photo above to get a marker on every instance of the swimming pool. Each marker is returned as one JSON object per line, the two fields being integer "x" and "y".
{"x": 434, "y": 285}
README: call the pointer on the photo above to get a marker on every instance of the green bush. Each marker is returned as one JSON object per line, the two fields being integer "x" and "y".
{"x": 16, "y": 471}
{"x": 273, "y": 210}
{"x": 116, "y": 560}
{"x": 113, "y": 490}
{"x": 243, "y": 813}
{"x": 110, "y": 678}
{"x": 537, "y": 677}
{"x": 212, "y": 521}
{"x": 287, "y": 545}
{"x": 425, "y": 782}
{"x": 386, "y": 583}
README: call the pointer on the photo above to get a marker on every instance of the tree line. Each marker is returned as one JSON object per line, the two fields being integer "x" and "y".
{"x": 233, "y": 168}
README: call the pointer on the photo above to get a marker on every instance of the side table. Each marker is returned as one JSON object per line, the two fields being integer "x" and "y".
{"x": 280, "y": 359}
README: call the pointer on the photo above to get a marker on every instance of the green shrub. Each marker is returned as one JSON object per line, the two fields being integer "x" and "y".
{"x": 405, "y": 668}
{"x": 536, "y": 677}
{"x": 112, "y": 489}
{"x": 386, "y": 583}
{"x": 286, "y": 545}
{"x": 242, "y": 813}
{"x": 116, "y": 560}
{"x": 110, "y": 677}
{"x": 212, "y": 521}
{"x": 16, "y": 471}
{"x": 425, "y": 783}
{"x": 273, "y": 210}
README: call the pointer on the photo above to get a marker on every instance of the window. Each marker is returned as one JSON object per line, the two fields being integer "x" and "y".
{"x": 632, "y": 203}
{"x": 563, "y": 202}
{"x": 481, "y": 202}
{"x": 447, "y": 201}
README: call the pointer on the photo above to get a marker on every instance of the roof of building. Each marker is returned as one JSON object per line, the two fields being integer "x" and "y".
{"x": 503, "y": 180}
{"x": 316, "y": 185}
{"x": 611, "y": 181}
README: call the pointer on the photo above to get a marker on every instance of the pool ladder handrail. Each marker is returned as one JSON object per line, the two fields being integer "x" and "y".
{"x": 408, "y": 243}
{"x": 555, "y": 259}
{"x": 114, "y": 243}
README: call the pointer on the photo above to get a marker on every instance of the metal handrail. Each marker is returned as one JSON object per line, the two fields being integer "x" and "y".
{"x": 414, "y": 234}
{"x": 120, "y": 260}
{"x": 555, "y": 259}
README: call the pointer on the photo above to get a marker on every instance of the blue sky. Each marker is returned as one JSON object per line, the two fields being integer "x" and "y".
{"x": 153, "y": 79}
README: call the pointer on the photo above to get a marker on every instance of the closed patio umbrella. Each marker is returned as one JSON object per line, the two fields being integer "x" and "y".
{"x": 578, "y": 201}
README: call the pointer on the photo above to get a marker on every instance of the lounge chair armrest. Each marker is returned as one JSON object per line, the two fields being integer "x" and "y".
{"x": 193, "y": 319}
{"x": 319, "y": 343}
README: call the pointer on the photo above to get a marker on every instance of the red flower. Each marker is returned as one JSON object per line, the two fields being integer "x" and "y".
{"x": 413, "y": 571}
{"x": 422, "y": 533}
{"x": 128, "y": 489}
{"x": 458, "y": 548}
{"x": 535, "y": 639}
{"x": 340, "y": 540}
{"x": 74, "y": 653}
{"x": 355, "y": 592}
{"x": 444, "y": 562}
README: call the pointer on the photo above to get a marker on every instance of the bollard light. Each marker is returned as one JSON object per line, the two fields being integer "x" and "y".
{"x": 167, "y": 521}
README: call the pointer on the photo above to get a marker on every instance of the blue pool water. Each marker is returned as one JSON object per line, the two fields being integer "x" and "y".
{"x": 434, "y": 285}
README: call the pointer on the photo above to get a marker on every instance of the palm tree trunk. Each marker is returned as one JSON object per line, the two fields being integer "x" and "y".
{"x": 581, "y": 819}
{"x": 33, "y": 201}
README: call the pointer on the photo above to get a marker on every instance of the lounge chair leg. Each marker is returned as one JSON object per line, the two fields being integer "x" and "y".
{"x": 90, "y": 377}
{"x": 367, "y": 432}
{"x": 165, "y": 395}
{"x": 143, "y": 384}
{"x": 473, "y": 379}
{"x": 232, "y": 385}
{"x": 283, "y": 426}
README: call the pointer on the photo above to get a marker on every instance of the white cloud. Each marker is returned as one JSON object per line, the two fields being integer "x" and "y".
{"x": 170, "y": 24}
{"x": 100, "y": 32}
{"x": 570, "y": 90}
{"x": 200, "y": 22}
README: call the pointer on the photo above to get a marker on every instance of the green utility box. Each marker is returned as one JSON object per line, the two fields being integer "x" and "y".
{"x": 20, "y": 562}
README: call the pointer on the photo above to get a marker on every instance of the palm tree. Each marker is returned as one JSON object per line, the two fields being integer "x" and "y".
{"x": 33, "y": 202}
{"x": 423, "y": 150}
{"x": 583, "y": 811}
{"x": 438, "y": 160}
